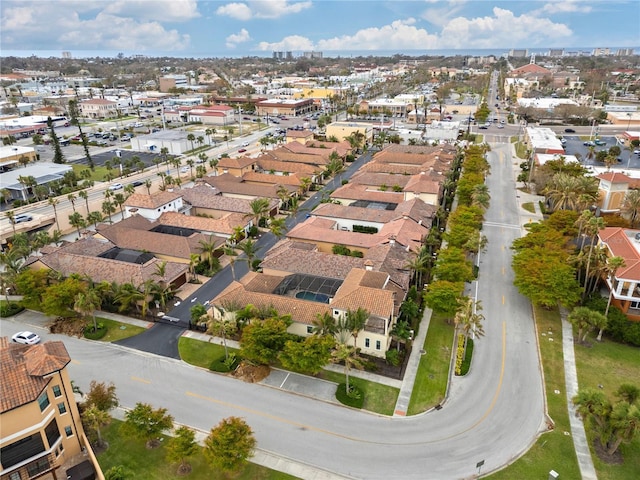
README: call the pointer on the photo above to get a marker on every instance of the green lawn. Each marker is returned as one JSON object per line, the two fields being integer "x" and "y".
{"x": 199, "y": 353}
{"x": 529, "y": 207}
{"x": 118, "y": 330}
{"x": 610, "y": 364}
{"x": 145, "y": 464}
{"x": 433, "y": 372}
{"x": 98, "y": 174}
{"x": 378, "y": 398}
{"x": 553, "y": 450}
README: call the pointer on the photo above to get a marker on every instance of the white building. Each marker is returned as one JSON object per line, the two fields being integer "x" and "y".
{"x": 175, "y": 141}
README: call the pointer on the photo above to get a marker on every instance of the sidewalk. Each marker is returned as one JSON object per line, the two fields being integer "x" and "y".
{"x": 580, "y": 442}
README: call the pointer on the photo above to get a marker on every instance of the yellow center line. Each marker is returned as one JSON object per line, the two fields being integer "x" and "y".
{"x": 141, "y": 380}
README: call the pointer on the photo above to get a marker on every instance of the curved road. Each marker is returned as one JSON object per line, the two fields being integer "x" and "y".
{"x": 492, "y": 415}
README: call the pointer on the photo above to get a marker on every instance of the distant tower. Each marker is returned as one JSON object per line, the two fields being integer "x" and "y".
{"x": 66, "y": 54}
{"x": 533, "y": 59}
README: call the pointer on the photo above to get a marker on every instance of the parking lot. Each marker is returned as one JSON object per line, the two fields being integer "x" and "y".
{"x": 575, "y": 145}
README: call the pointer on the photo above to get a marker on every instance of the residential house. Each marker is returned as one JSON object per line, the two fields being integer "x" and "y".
{"x": 612, "y": 189}
{"x": 101, "y": 260}
{"x": 154, "y": 205}
{"x": 235, "y": 187}
{"x": 41, "y": 431}
{"x": 299, "y": 136}
{"x": 342, "y": 130}
{"x": 624, "y": 284}
{"x": 208, "y": 202}
{"x": 236, "y": 166}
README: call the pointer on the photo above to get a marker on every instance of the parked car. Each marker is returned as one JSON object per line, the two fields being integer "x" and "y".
{"x": 184, "y": 169}
{"x": 116, "y": 186}
{"x": 242, "y": 150}
{"x": 599, "y": 142}
{"x": 245, "y": 144}
{"x": 637, "y": 151}
{"x": 589, "y": 143}
{"x": 22, "y": 217}
{"x": 26, "y": 338}
{"x": 569, "y": 130}
{"x": 137, "y": 183}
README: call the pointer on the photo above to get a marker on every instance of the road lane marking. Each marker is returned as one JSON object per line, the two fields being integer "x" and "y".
{"x": 141, "y": 380}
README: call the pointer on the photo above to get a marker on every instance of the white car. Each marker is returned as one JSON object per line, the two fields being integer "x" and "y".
{"x": 184, "y": 169}
{"x": 27, "y": 338}
{"x": 637, "y": 151}
{"x": 116, "y": 186}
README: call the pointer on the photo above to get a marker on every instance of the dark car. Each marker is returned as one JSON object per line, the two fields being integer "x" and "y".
{"x": 569, "y": 130}
{"x": 137, "y": 183}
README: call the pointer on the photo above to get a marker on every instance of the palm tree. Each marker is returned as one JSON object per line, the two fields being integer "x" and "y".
{"x": 72, "y": 198}
{"x": 54, "y": 202}
{"x": 631, "y": 206}
{"x": 128, "y": 295}
{"x": 259, "y": 207}
{"x": 191, "y": 163}
{"x": 191, "y": 137}
{"x": 76, "y": 220}
{"x": 208, "y": 247}
{"x": 94, "y": 218}
{"x": 108, "y": 208}
{"x": 85, "y": 196}
{"x": 356, "y": 321}
{"x": 594, "y": 225}
{"x": 305, "y": 184}
{"x": 325, "y": 324}
{"x": 468, "y": 320}
{"x": 277, "y": 226}
{"x": 231, "y": 253}
{"x": 12, "y": 220}
{"x": 480, "y": 196}
{"x": 200, "y": 140}
{"x": 96, "y": 419}
{"x": 147, "y": 185}
{"x": 249, "y": 248}
{"x": 223, "y": 327}
{"x": 119, "y": 199}
{"x": 213, "y": 163}
{"x": 86, "y": 304}
{"x": 347, "y": 355}
{"x": 613, "y": 264}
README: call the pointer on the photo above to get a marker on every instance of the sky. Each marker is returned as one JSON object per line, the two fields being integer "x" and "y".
{"x": 219, "y": 28}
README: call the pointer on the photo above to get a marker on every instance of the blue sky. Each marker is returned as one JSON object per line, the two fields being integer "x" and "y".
{"x": 201, "y": 28}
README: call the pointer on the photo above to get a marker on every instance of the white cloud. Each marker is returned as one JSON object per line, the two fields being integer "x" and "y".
{"x": 441, "y": 14}
{"x": 239, "y": 11}
{"x": 503, "y": 28}
{"x": 568, "y": 6}
{"x": 400, "y": 34}
{"x": 262, "y": 9}
{"x": 293, "y": 42}
{"x": 240, "y": 37}
{"x": 46, "y": 26}
{"x": 159, "y": 10}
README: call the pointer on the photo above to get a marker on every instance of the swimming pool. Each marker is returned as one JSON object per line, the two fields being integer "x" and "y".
{"x": 313, "y": 297}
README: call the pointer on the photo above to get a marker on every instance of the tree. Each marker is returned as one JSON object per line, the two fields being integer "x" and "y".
{"x": 444, "y": 297}
{"x": 197, "y": 312}
{"x": 208, "y": 247}
{"x": 356, "y": 321}
{"x": 582, "y": 319}
{"x": 325, "y": 325}
{"x": 308, "y": 356}
{"x": 223, "y": 327}
{"x": 468, "y": 320}
{"x": 401, "y": 332}
{"x": 182, "y": 446}
{"x": 229, "y": 444}
{"x": 58, "y": 299}
{"x": 74, "y": 113}
{"x": 96, "y": 419}
{"x": 86, "y": 304}
{"x": 250, "y": 249}
{"x": 102, "y": 396}
{"x": 277, "y": 226}
{"x": 612, "y": 423}
{"x": 631, "y": 206}
{"x": 261, "y": 342}
{"x": 145, "y": 423}
{"x": 191, "y": 137}
{"x": 231, "y": 253}
{"x": 259, "y": 208}
{"x": 58, "y": 157}
{"x": 348, "y": 356}
{"x": 76, "y": 220}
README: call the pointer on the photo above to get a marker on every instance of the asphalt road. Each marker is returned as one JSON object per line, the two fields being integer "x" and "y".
{"x": 492, "y": 415}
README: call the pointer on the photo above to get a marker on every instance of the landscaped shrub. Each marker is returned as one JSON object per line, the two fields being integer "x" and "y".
{"x": 92, "y": 334}
{"x": 223, "y": 365}
{"x": 393, "y": 357}
{"x": 466, "y": 363}
{"x": 365, "y": 229}
{"x": 459, "y": 354}
{"x": 10, "y": 309}
{"x": 355, "y": 397}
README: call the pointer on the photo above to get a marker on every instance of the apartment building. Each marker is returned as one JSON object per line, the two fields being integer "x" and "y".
{"x": 40, "y": 428}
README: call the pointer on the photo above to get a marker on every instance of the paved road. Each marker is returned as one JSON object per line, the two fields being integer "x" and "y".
{"x": 492, "y": 415}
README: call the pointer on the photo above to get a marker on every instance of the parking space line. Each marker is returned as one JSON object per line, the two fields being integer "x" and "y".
{"x": 285, "y": 380}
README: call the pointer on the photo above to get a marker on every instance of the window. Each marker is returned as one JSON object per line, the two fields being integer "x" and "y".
{"x": 367, "y": 342}
{"x": 377, "y": 344}
{"x": 43, "y": 401}
{"x": 56, "y": 391}
{"x": 52, "y": 433}
{"x": 61, "y": 408}
{"x": 309, "y": 329}
{"x": 67, "y": 431}
{"x": 14, "y": 476}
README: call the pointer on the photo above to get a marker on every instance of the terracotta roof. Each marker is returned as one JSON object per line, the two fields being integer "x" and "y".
{"x": 287, "y": 155}
{"x": 392, "y": 259}
{"x": 621, "y": 243}
{"x": 378, "y": 179}
{"x": 304, "y": 149}
{"x": 294, "y": 257}
{"x": 98, "y": 101}
{"x": 23, "y": 369}
{"x": 423, "y": 183}
{"x": 267, "y": 163}
{"x": 233, "y": 162}
{"x": 417, "y": 210}
{"x": 341, "y": 148}
{"x": 614, "y": 177}
{"x": 299, "y": 133}
{"x": 313, "y": 230}
{"x": 229, "y": 185}
{"x": 224, "y": 225}
{"x": 205, "y": 196}
{"x": 530, "y": 68}
{"x": 363, "y": 289}
{"x": 406, "y": 232}
{"x": 269, "y": 179}
{"x": 99, "y": 269}
{"x": 153, "y": 201}
{"x": 337, "y": 211}
{"x": 352, "y": 191}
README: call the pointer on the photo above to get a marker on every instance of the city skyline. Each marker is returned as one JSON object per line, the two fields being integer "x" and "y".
{"x": 217, "y": 28}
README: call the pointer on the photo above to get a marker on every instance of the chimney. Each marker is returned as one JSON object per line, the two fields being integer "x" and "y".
{"x": 392, "y": 240}
{"x": 368, "y": 265}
